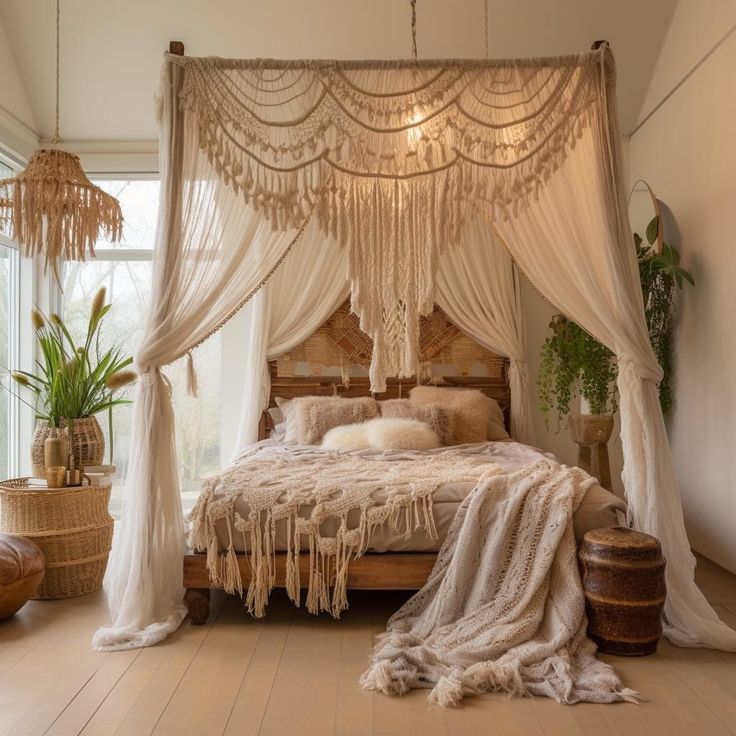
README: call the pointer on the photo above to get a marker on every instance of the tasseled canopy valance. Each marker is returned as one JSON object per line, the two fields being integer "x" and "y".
{"x": 392, "y": 158}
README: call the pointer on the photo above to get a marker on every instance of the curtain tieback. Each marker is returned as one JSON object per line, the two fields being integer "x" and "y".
{"x": 647, "y": 372}
{"x": 192, "y": 382}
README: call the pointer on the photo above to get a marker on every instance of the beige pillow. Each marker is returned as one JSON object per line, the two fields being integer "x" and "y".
{"x": 476, "y": 417}
{"x": 316, "y": 415}
{"x": 436, "y": 416}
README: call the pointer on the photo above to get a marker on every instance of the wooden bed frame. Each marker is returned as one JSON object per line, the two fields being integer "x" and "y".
{"x": 372, "y": 571}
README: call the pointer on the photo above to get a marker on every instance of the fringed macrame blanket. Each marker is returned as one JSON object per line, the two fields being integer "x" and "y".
{"x": 503, "y": 609}
{"x": 276, "y": 486}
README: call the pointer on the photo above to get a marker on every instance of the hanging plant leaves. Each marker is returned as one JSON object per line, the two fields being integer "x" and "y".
{"x": 653, "y": 230}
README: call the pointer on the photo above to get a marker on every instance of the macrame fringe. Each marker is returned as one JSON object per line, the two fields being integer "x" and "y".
{"x": 329, "y": 558}
{"x": 392, "y": 177}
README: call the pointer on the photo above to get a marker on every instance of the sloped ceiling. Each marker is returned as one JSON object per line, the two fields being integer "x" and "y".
{"x": 111, "y": 50}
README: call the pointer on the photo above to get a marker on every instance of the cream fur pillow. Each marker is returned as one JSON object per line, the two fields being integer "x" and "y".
{"x": 437, "y": 417}
{"x": 382, "y": 434}
{"x": 401, "y": 434}
{"x": 477, "y": 417}
{"x": 346, "y": 437}
{"x": 317, "y": 415}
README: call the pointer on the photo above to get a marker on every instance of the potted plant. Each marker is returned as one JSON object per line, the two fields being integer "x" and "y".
{"x": 661, "y": 275}
{"x": 74, "y": 382}
{"x": 575, "y": 362}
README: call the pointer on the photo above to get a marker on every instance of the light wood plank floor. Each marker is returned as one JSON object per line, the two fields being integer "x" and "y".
{"x": 295, "y": 674}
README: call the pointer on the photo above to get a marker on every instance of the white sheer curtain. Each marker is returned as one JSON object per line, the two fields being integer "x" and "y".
{"x": 574, "y": 243}
{"x": 307, "y": 288}
{"x": 477, "y": 287}
{"x": 212, "y": 251}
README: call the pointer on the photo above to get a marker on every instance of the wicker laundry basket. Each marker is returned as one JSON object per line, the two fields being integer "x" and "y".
{"x": 72, "y": 526}
{"x": 87, "y": 444}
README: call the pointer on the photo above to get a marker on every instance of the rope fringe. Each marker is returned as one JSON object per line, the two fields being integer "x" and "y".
{"x": 408, "y": 508}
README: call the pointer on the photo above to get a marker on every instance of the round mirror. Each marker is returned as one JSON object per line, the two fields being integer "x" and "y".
{"x": 645, "y": 216}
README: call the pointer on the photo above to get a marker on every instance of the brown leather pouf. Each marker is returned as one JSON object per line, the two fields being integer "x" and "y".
{"x": 21, "y": 571}
{"x": 623, "y": 580}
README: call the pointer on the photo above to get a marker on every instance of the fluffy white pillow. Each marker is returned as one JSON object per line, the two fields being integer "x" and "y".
{"x": 346, "y": 437}
{"x": 387, "y": 433}
{"x": 382, "y": 433}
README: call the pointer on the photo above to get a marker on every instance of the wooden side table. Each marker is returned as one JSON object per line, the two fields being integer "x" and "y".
{"x": 72, "y": 526}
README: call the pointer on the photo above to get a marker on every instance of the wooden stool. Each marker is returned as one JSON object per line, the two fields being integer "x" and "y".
{"x": 623, "y": 580}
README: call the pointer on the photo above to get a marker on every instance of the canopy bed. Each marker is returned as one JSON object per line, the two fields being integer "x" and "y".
{"x": 393, "y": 559}
{"x": 289, "y": 185}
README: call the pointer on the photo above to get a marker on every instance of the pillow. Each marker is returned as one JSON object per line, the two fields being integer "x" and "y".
{"x": 288, "y": 410}
{"x": 316, "y": 415}
{"x": 277, "y": 416}
{"x": 382, "y": 433}
{"x": 477, "y": 417}
{"x": 346, "y": 437}
{"x": 437, "y": 417}
{"x": 401, "y": 434}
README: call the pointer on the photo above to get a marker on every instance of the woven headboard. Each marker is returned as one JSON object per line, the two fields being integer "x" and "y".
{"x": 334, "y": 361}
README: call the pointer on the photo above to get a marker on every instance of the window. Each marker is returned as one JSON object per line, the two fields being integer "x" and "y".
{"x": 125, "y": 270}
{"x": 9, "y": 298}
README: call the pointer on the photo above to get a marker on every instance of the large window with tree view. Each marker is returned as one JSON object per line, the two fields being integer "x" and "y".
{"x": 125, "y": 271}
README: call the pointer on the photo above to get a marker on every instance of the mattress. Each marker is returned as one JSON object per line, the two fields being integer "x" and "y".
{"x": 599, "y": 508}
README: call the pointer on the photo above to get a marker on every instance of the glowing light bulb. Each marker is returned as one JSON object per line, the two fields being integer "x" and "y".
{"x": 414, "y": 134}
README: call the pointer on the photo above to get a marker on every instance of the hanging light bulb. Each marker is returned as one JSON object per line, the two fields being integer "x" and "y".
{"x": 415, "y": 133}
{"x": 52, "y": 208}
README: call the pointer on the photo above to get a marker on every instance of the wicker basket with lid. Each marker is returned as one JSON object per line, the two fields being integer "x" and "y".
{"x": 623, "y": 580}
{"x": 72, "y": 526}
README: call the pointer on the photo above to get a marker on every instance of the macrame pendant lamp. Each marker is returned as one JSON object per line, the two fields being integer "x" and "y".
{"x": 53, "y": 209}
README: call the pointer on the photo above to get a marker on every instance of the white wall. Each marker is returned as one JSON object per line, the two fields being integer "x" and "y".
{"x": 687, "y": 153}
{"x": 17, "y": 124}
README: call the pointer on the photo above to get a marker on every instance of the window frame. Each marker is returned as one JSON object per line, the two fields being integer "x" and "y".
{"x": 14, "y": 343}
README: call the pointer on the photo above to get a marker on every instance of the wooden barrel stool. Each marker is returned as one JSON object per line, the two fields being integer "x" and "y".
{"x": 623, "y": 580}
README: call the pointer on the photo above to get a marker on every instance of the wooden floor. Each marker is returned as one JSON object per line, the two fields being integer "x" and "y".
{"x": 295, "y": 674}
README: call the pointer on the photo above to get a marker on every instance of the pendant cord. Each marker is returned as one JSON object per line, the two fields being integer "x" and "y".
{"x": 413, "y": 27}
{"x": 485, "y": 25}
{"x": 57, "y": 137}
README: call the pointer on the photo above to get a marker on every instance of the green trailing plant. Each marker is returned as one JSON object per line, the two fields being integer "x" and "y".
{"x": 75, "y": 379}
{"x": 661, "y": 275}
{"x": 572, "y": 361}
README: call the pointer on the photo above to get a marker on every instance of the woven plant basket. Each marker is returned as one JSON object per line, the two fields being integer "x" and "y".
{"x": 72, "y": 526}
{"x": 87, "y": 444}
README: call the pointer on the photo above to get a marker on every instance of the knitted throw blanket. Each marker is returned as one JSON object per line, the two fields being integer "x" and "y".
{"x": 503, "y": 609}
{"x": 277, "y": 486}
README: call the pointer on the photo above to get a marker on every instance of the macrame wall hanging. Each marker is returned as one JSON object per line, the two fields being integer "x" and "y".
{"x": 52, "y": 208}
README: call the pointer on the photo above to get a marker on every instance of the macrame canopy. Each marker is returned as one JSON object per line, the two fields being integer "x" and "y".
{"x": 411, "y": 171}
{"x": 52, "y": 208}
{"x": 393, "y": 158}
